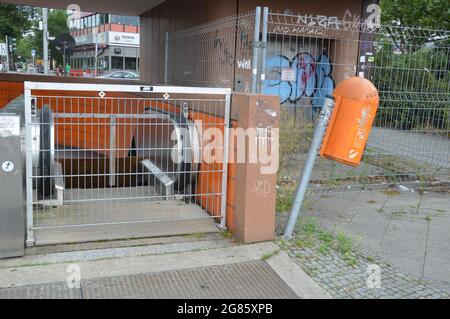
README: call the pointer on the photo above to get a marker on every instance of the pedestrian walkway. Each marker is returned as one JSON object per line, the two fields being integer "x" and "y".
{"x": 402, "y": 231}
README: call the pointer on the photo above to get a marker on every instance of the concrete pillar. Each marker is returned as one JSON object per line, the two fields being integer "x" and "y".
{"x": 253, "y": 214}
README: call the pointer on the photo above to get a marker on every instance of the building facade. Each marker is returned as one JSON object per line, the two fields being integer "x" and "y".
{"x": 115, "y": 37}
{"x": 299, "y": 32}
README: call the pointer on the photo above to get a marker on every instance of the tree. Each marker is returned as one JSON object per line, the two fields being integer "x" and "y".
{"x": 14, "y": 21}
{"x": 413, "y": 50}
{"x": 57, "y": 24}
{"x": 430, "y": 14}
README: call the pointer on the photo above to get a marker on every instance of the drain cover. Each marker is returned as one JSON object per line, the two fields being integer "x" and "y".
{"x": 244, "y": 280}
{"x": 42, "y": 291}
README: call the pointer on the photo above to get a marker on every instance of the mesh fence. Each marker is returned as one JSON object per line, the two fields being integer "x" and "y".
{"x": 409, "y": 143}
{"x": 215, "y": 54}
{"x": 304, "y": 58}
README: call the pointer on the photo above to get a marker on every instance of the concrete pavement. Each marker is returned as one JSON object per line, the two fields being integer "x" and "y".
{"x": 200, "y": 268}
{"x": 405, "y": 228}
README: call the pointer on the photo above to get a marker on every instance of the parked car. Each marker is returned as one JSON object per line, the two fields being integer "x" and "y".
{"x": 123, "y": 75}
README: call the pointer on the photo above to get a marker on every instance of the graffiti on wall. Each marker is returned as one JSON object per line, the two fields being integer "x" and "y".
{"x": 320, "y": 24}
{"x": 303, "y": 76}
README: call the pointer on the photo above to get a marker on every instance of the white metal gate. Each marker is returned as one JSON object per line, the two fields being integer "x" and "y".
{"x": 121, "y": 155}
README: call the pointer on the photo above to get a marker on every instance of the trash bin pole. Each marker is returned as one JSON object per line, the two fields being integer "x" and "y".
{"x": 319, "y": 132}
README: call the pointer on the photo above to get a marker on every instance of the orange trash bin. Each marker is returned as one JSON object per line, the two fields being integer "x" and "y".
{"x": 349, "y": 127}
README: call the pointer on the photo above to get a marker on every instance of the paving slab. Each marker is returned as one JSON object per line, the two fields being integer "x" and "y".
{"x": 376, "y": 199}
{"x": 107, "y": 253}
{"x": 436, "y": 267}
{"x": 410, "y": 231}
{"x": 435, "y": 201}
{"x": 370, "y": 225}
{"x": 404, "y": 244}
{"x": 407, "y": 263}
{"x": 404, "y": 227}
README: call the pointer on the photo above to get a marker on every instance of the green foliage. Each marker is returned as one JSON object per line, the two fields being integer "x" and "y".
{"x": 14, "y": 21}
{"x": 310, "y": 234}
{"x": 57, "y": 24}
{"x": 270, "y": 254}
{"x": 432, "y": 14}
{"x": 285, "y": 196}
{"x": 24, "y": 47}
{"x": 416, "y": 81}
{"x": 414, "y": 64}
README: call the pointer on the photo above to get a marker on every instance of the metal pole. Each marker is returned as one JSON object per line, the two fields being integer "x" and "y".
{"x": 319, "y": 133}
{"x": 7, "y": 53}
{"x": 45, "y": 38}
{"x": 112, "y": 150}
{"x": 255, "y": 48}
{"x": 264, "y": 48}
{"x": 95, "y": 52}
{"x": 226, "y": 144}
{"x": 64, "y": 59}
{"x": 29, "y": 107}
{"x": 166, "y": 58}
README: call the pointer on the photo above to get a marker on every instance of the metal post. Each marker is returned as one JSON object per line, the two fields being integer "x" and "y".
{"x": 255, "y": 48}
{"x": 319, "y": 133}
{"x": 226, "y": 141}
{"x": 64, "y": 60}
{"x": 7, "y": 53}
{"x": 263, "y": 48}
{"x": 95, "y": 52}
{"x": 112, "y": 150}
{"x": 29, "y": 105}
{"x": 166, "y": 58}
{"x": 45, "y": 38}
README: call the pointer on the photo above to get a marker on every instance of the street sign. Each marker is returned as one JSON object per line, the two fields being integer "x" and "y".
{"x": 33, "y": 52}
{"x": 2, "y": 49}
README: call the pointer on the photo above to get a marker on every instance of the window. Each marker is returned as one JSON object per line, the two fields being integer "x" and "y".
{"x": 126, "y": 20}
{"x": 130, "y": 64}
{"x": 106, "y": 63}
{"x": 116, "y": 63}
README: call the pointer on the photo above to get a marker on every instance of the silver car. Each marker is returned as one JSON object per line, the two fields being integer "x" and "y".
{"x": 121, "y": 75}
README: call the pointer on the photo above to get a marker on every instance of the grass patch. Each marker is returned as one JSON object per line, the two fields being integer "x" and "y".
{"x": 324, "y": 248}
{"x": 270, "y": 254}
{"x": 371, "y": 201}
{"x": 310, "y": 234}
{"x": 197, "y": 235}
{"x": 428, "y": 218}
{"x": 285, "y": 197}
{"x": 380, "y": 210}
{"x": 391, "y": 192}
{"x": 226, "y": 234}
{"x": 306, "y": 242}
{"x": 344, "y": 244}
{"x": 398, "y": 213}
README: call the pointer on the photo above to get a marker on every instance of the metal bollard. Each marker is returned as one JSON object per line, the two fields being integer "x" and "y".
{"x": 321, "y": 127}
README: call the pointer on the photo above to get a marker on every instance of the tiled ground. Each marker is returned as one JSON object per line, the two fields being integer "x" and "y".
{"x": 406, "y": 232}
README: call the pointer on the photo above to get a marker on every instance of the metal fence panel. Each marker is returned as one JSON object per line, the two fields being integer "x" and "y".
{"x": 118, "y": 155}
{"x": 308, "y": 56}
{"x": 216, "y": 54}
{"x": 302, "y": 57}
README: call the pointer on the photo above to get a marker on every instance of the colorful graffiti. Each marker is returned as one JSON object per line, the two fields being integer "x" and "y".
{"x": 303, "y": 76}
